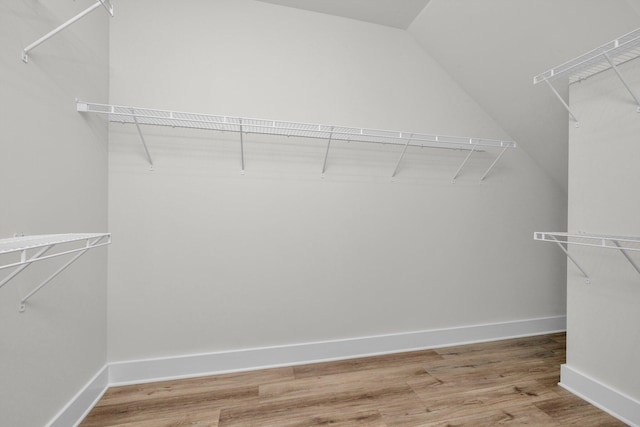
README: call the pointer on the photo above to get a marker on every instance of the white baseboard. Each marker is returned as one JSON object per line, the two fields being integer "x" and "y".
{"x": 193, "y": 365}
{"x": 621, "y": 406}
{"x": 78, "y": 407}
{"x": 184, "y": 366}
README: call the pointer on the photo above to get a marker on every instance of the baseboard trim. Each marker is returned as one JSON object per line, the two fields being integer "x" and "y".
{"x": 194, "y": 365}
{"x": 619, "y": 405}
{"x": 186, "y": 366}
{"x": 77, "y": 409}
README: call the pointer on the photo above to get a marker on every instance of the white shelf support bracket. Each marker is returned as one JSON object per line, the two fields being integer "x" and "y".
{"x": 26, "y": 264}
{"x": 107, "y": 5}
{"x": 572, "y": 259}
{"x": 504, "y": 150}
{"x": 404, "y": 150}
{"x": 573, "y": 116}
{"x": 624, "y": 82}
{"x": 466, "y": 159}
{"x": 89, "y": 244}
{"x": 626, "y": 255}
{"x": 144, "y": 143}
{"x": 241, "y": 150}
{"x": 326, "y": 154}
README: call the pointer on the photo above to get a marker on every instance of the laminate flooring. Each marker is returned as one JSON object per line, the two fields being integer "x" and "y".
{"x": 511, "y": 382}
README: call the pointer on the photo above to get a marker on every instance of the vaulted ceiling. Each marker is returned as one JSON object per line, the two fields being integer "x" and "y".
{"x": 493, "y": 48}
{"x": 393, "y": 13}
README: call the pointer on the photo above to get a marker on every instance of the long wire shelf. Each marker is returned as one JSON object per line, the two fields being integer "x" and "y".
{"x": 242, "y": 125}
{"x": 608, "y": 56}
{"x": 619, "y": 51}
{"x": 25, "y": 246}
{"x": 563, "y": 240}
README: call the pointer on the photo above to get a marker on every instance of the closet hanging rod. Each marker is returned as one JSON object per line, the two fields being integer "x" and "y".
{"x": 105, "y": 3}
{"x": 146, "y": 116}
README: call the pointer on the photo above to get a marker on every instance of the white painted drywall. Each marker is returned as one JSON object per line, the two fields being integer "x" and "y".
{"x": 493, "y": 48}
{"x": 603, "y": 339}
{"x": 205, "y": 259}
{"x": 53, "y": 179}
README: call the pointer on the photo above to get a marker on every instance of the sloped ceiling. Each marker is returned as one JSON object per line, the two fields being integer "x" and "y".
{"x": 493, "y": 48}
{"x": 393, "y": 13}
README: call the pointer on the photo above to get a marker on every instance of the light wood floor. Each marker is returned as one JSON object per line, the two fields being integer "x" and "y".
{"x": 506, "y": 382}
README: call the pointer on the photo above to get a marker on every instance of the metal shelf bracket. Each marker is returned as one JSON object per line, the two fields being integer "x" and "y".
{"x": 564, "y": 103}
{"x": 464, "y": 162}
{"x": 326, "y": 154}
{"x": 105, "y": 3}
{"x": 495, "y": 162}
{"x": 404, "y": 150}
{"x": 144, "y": 143}
{"x": 624, "y": 82}
{"x": 241, "y": 150}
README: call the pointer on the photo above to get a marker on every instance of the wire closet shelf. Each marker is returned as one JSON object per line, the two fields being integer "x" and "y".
{"x": 243, "y": 125}
{"x": 146, "y": 116}
{"x": 620, "y": 243}
{"x": 608, "y": 56}
{"x": 616, "y": 52}
{"x": 34, "y": 248}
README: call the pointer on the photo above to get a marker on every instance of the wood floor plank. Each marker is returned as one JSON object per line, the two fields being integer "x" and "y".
{"x": 200, "y": 418}
{"x": 365, "y": 363}
{"x": 571, "y": 410}
{"x": 504, "y": 382}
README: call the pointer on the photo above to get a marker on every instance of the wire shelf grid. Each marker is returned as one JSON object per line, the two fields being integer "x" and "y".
{"x": 619, "y": 51}
{"x": 145, "y": 116}
{"x": 628, "y": 243}
{"x": 621, "y": 243}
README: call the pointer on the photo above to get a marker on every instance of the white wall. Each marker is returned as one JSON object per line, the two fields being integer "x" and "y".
{"x": 205, "y": 259}
{"x": 604, "y": 317}
{"x": 53, "y": 179}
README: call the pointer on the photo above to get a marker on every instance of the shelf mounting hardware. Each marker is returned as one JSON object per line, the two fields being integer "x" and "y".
{"x": 105, "y": 3}
{"x": 25, "y": 263}
{"x": 404, "y": 150}
{"x": 44, "y": 243}
{"x": 241, "y": 150}
{"x": 620, "y": 243}
{"x": 144, "y": 143}
{"x": 624, "y": 82}
{"x": 626, "y": 255}
{"x": 495, "y": 162}
{"x": 564, "y": 103}
{"x": 464, "y": 162}
{"x": 326, "y": 154}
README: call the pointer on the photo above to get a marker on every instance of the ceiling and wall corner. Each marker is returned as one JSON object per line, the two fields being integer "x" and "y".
{"x": 392, "y": 13}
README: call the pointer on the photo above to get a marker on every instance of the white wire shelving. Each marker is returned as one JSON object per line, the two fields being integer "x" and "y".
{"x": 104, "y": 3}
{"x": 35, "y": 248}
{"x": 608, "y": 56}
{"x": 620, "y": 243}
{"x": 241, "y": 125}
